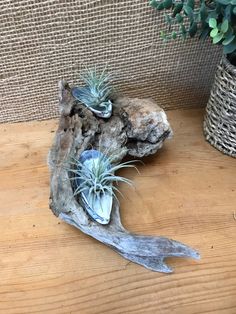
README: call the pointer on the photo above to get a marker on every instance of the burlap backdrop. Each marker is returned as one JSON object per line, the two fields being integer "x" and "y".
{"x": 44, "y": 41}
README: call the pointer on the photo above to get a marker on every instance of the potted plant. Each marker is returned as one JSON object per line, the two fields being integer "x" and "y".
{"x": 215, "y": 19}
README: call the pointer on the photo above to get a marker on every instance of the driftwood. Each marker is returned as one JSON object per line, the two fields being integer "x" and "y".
{"x": 136, "y": 128}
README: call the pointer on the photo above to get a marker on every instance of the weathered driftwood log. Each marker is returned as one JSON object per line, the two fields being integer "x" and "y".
{"x": 137, "y": 128}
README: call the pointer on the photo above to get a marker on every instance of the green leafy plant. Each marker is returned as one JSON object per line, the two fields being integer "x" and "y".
{"x": 213, "y": 18}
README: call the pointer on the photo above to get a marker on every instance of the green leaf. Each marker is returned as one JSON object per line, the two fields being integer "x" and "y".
{"x": 227, "y": 12}
{"x": 193, "y": 29}
{"x": 168, "y": 19}
{"x": 218, "y": 38}
{"x": 177, "y": 9}
{"x": 224, "y": 26}
{"x": 203, "y": 12}
{"x": 233, "y": 2}
{"x": 153, "y": 3}
{"x": 174, "y": 35}
{"x": 218, "y": 7}
{"x": 191, "y": 3}
{"x": 160, "y": 6}
{"x": 212, "y": 23}
{"x": 205, "y": 33}
{"x": 234, "y": 10}
{"x": 228, "y": 40}
{"x": 188, "y": 11}
{"x": 214, "y": 32}
{"x": 197, "y": 17}
{"x": 212, "y": 14}
{"x": 230, "y": 31}
{"x": 179, "y": 18}
{"x": 183, "y": 31}
{"x": 167, "y": 4}
{"x": 163, "y": 35}
{"x": 225, "y": 2}
{"x": 230, "y": 47}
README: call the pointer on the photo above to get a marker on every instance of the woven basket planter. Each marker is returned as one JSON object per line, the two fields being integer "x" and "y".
{"x": 220, "y": 118}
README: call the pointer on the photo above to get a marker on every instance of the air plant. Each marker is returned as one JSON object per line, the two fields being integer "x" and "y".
{"x": 95, "y": 95}
{"x": 93, "y": 178}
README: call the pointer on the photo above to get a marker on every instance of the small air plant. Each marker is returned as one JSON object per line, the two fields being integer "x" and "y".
{"x": 95, "y": 95}
{"x": 93, "y": 176}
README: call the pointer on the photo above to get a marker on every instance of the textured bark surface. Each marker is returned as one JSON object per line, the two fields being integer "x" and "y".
{"x": 137, "y": 128}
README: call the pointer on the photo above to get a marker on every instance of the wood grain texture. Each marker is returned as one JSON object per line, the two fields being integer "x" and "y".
{"x": 186, "y": 192}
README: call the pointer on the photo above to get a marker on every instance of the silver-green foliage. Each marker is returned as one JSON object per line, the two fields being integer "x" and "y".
{"x": 99, "y": 179}
{"x": 98, "y": 88}
{"x": 213, "y": 18}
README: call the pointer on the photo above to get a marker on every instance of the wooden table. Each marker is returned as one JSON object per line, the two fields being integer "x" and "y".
{"x": 187, "y": 192}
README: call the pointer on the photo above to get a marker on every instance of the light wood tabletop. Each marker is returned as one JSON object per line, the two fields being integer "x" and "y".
{"x": 187, "y": 192}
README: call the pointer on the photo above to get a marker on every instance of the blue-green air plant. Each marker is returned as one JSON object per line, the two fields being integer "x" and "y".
{"x": 93, "y": 176}
{"x": 96, "y": 93}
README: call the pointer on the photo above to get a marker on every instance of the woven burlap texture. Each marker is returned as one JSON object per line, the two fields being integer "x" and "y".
{"x": 44, "y": 41}
{"x": 220, "y": 118}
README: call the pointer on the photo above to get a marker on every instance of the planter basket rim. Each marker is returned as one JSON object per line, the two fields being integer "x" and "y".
{"x": 229, "y": 67}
